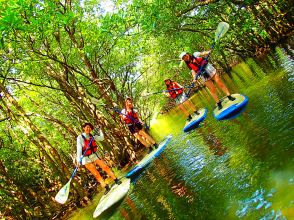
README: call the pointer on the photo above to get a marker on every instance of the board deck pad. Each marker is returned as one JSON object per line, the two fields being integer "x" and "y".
{"x": 196, "y": 119}
{"x": 231, "y": 109}
{"x": 116, "y": 193}
{"x": 147, "y": 159}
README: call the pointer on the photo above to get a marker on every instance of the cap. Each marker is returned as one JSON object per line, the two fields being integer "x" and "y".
{"x": 166, "y": 78}
{"x": 182, "y": 54}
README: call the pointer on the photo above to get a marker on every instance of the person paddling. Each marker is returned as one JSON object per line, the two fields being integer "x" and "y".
{"x": 92, "y": 155}
{"x": 208, "y": 72}
{"x": 179, "y": 96}
{"x": 135, "y": 126}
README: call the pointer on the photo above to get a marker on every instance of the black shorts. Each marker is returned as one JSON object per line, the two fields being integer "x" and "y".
{"x": 205, "y": 74}
{"x": 134, "y": 128}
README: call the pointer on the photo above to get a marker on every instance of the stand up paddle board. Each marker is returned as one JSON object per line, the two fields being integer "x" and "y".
{"x": 116, "y": 193}
{"x": 196, "y": 119}
{"x": 230, "y": 109}
{"x": 147, "y": 159}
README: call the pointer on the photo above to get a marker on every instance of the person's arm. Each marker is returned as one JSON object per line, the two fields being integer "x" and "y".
{"x": 122, "y": 116}
{"x": 139, "y": 119}
{"x": 166, "y": 94}
{"x": 194, "y": 74}
{"x": 80, "y": 143}
{"x": 205, "y": 53}
{"x": 99, "y": 137}
{"x": 177, "y": 84}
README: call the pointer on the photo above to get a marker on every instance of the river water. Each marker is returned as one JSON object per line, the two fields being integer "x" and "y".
{"x": 232, "y": 169}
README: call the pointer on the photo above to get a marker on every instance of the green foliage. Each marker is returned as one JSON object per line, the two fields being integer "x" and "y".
{"x": 51, "y": 51}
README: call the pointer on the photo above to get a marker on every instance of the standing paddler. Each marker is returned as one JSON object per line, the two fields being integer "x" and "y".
{"x": 179, "y": 96}
{"x": 135, "y": 126}
{"x": 194, "y": 63}
{"x": 92, "y": 155}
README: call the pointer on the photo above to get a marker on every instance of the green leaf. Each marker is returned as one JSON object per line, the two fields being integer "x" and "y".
{"x": 1, "y": 42}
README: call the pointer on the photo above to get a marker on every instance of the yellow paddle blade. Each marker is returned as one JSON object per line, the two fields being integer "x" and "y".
{"x": 96, "y": 101}
{"x": 221, "y": 30}
{"x": 145, "y": 95}
{"x": 62, "y": 195}
{"x": 181, "y": 63}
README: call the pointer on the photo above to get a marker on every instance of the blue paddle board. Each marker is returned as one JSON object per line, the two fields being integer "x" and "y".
{"x": 116, "y": 193}
{"x": 230, "y": 109}
{"x": 147, "y": 159}
{"x": 196, "y": 119}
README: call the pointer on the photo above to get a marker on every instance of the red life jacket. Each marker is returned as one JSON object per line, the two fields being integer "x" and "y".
{"x": 131, "y": 114}
{"x": 196, "y": 63}
{"x": 174, "y": 93}
{"x": 92, "y": 148}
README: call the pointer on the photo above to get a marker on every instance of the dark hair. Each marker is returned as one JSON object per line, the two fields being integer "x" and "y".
{"x": 87, "y": 123}
{"x": 171, "y": 83}
{"x": 187, "y": 62}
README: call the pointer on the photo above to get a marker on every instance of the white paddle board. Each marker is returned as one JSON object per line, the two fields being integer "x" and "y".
{"x": 116, "y": 193}
{"x": 230, "y": 109}
{"x": 196, "y": 119}
{"x": 147, "y": 159}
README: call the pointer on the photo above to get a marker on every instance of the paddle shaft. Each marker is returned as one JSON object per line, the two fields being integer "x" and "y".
{"x": 124, "y": 115}
{"x": 204, "y": 62}
{"x": 168, "y": 90}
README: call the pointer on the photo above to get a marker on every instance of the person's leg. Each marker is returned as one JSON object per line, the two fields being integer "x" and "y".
{"x": 184, "y": 109}
{"x": 212, "y": 90}
{"x": 104, "y": 167}
{"x": 218, "y": 81}
{"x": 143, "y": 133}
{"x": 139, "y": 137}
{"x": 213, "y": 93}
{"x": 91, "y": 167}
{"x": 190, "y": 105}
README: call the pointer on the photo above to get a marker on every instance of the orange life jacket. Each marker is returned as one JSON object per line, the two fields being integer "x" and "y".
{"x": 174, "y": 93}
{"x": 131, "y": 114}
{"x": 92, "y": 148}
{"x": 196, "y": 63}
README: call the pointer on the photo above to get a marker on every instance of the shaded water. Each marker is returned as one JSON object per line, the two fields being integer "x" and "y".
{"x": 234, "y": 169}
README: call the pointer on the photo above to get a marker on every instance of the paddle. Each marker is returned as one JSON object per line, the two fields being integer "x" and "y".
{"x": 149, "y": 94}
{"x": 97, "y": 102}
{"x": 221, "y": 30}
{"x": 62, "y": 195}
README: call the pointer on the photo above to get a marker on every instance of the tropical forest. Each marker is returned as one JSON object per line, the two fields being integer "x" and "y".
{"x": 57, "y": 55}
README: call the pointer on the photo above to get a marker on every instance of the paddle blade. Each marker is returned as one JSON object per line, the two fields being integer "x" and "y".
{"x": 221, "y": 30}
{"x": 145, "y": 95}
{"x": 96, "y": 101}
{"x": 62, "y": 195}
{"x": 181, "y": 63}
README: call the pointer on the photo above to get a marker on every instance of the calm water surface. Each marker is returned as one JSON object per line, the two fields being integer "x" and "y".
{"x": 235, "y": 169}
